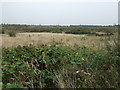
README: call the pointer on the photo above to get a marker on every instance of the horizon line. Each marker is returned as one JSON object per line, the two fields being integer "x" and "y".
{"x": 62, "y": 24}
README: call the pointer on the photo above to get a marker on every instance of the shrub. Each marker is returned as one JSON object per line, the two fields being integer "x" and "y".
{"x": 59, "y": 67}
{"x": 112, "y": 45}
{"x": 2, "y": 31}
{"x": 78, "y": 32}
{"x": 12, "y": 33}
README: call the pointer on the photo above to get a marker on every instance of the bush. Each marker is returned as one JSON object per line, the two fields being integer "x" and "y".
{"x": 59, "y": 67}
{"x": 12, "y": 33}
{"x": 2, "y": 31}
{"x": 78, "y": 32}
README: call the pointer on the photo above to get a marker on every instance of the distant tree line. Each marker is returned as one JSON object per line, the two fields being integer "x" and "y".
{"x": 72, "y": 29}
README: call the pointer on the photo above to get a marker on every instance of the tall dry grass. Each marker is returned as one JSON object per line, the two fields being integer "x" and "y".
{"x": 112, "y": 44}
{"x": 95, "y": 42}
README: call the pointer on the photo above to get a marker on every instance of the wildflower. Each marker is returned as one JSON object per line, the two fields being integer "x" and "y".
{"x": 76, "y": 53}
{"x": 77, "y": 71}
{"x": 82, "y": 59}
{"x": 43, "y": 53}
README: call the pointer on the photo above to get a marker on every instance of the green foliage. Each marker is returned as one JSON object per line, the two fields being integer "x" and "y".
{"x": 14, "y": 85}
{"x": 41, "y": 67}
{"x": 2, "y": 31}
{"x": 12, "y": 33}
{"x": 79, "y": 32}
{"x": 72, "y": 29}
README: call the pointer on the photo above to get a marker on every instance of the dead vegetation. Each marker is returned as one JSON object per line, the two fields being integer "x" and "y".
{"x": 71, "y": 40}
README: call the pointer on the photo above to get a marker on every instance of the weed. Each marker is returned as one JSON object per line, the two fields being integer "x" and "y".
{"x": 12, "y": 33}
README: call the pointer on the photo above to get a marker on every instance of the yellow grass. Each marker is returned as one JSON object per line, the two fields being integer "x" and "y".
{"x": 70, "y": 40}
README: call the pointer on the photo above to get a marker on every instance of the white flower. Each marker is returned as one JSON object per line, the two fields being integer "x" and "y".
{"x": 77, "y": 71}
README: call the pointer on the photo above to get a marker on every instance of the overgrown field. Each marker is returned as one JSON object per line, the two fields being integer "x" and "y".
{"x": 57, "y": 66}
{"x": 35, "y": 56}
{"x": 70, "y": 40}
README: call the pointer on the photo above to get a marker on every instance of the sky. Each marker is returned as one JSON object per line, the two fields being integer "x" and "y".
{"x": 119, "y": 13}
{"x": 61, "y": 12}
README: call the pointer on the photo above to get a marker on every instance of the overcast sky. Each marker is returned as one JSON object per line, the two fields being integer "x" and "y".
{"x": 60, "y": 12}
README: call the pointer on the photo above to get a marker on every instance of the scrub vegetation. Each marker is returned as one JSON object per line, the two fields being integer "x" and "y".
{"x": 66, "y": 57}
